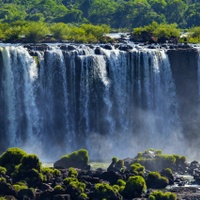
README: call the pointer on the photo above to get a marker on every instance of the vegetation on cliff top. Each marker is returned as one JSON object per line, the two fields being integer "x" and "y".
{"x": 84, "y": 20}
{"x": 115, "y": 13}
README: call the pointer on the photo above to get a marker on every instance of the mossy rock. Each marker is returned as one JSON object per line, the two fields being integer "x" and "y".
{"x": 77, "y": 159}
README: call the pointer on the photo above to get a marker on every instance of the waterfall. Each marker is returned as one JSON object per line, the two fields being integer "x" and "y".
{"x": 19, "y": 73}
{"x": 113, "y": 103}
{"x": 199, "y": 70}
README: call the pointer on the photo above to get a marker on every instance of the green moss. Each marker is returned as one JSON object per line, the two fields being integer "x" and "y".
{"x": 155, "y": 180}
{"x": 154, "y": 160}
{"x": 135, "y": 186}
{"x": 104, "y": 191}
{"x": 49, "y": 173}
{"x": 11, "y": 158}
{"x": 159, "y": 195}
{"x": 138, "y": 169}
{"x": 72, "y": 172}
{"x": 58, "y": 188}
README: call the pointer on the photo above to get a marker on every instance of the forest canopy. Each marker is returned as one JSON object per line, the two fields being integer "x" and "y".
{"x": 124, "y": 14}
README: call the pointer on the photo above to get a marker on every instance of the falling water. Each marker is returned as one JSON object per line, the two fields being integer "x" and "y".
{"x": 113, "y": 103}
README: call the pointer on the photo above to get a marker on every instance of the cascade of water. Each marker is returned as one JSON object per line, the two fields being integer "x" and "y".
{"x": 10, "y": 95}
{"x": 73, "y": 99}
{"x": 199, "y": 70}
{"x": 20, "y": 72}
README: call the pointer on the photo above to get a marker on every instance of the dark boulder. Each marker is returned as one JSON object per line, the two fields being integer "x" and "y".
{"x": 77, "y": 159}
{"x": 61, "y": 197}
{"x": 111, "y": 176}
{"x": 98, "y": 51}
{"x": 7, "y": 189}
{"x": 28, "y": 193}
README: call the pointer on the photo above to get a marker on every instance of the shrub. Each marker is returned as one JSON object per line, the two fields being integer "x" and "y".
{"x": 135, "y": 186}
{"x": 11, "y": 158}
{"x": 159, "y": 195}
{"x": 156, "y": 31}
{"x": 60, "y": 31}
{"x": 36, "y": 31}
{"x": 194, "y": 36}
{"x": 155, "y": 180}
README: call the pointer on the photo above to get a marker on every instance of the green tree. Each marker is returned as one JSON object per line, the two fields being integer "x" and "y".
{"x": 36, "y": 31}
{"x": 101, "y": 11}
{"x": 174, "y": 11}
{"x": 59, "y": 30}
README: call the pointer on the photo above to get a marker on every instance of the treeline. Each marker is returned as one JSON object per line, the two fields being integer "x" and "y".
{"x": 29, "y": 31}
{"x": 125, "y": 14}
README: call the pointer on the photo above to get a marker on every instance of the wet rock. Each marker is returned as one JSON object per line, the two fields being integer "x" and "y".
{"x": 61, "y": 197}
{"x": 28, "y": 193}
{"x": 98, "y": 51}
{"x": 111, "y": 176}
{"x": 107, "y": 46}
{"x": 125, "y": 47}
{"x": 7, "y": 189}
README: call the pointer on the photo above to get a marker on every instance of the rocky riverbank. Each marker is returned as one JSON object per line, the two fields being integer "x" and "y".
{"x": 23, "y": 177}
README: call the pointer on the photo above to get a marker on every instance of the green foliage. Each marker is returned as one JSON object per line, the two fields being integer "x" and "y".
{"x": 194, "y": 37}
{"x": 117, "y": 14}
{"x": 156, "y": 31}
{"x": 60, "y": 31}
{"x": 166, "y": 30}
{"x": 11, "y": 158}
{"x": 36, "y": 31}
{"x": 135, "y": 186}
{"x": 155, "y": 180}
{"x": 159, "y": 195}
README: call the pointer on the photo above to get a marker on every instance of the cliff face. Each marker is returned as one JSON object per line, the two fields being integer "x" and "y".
{"x": 184, "y": 66}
